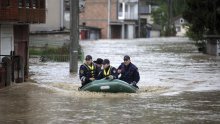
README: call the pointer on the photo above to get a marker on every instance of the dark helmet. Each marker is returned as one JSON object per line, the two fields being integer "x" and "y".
{"x": 99, "y": 61}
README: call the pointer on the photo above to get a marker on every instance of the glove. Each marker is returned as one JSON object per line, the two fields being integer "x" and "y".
{"x": 110, "y": 77}
{"x": 91, "y": 79}
{"x": 134, "y": 83}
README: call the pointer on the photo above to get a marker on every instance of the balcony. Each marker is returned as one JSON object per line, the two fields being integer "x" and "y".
{"x": 145, "y": 9}
{"x": 128, "y": 10}
{"x": 127, "y": 16}
{"x": 16, "y": 13}
{"x": 22, "y": 15}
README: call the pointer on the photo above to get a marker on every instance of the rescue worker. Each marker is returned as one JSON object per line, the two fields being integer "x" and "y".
{"x": 109, "y": 72}
{"x": 129, "y": 72}
{"x": 88, "y": 71}
{"x": 98, "y": 63}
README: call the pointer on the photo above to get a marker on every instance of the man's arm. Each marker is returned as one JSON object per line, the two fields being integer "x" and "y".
{"x": 136, "y": 75}
{"x": 114, "y": 73}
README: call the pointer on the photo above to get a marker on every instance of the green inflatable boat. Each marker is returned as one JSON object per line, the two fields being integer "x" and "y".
{"x": 113, "y": 86}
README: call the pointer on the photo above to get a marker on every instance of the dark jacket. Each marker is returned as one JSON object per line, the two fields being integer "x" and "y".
{"x": 99, "y": 69}
{"x": 106, "y": 72}
{"x": 129, "y": 73}
{"x": 86, "y": 72}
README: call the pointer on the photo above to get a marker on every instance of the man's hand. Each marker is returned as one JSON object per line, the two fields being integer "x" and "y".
{"x": 134, "y": 84}
{"x": 119, "y": 71}
{"x": 110, "y": 77}
{"x": 91, "y": 79}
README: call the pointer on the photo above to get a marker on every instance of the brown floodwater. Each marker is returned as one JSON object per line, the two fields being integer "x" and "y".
{"x": 178, "y": 85}
{"x": 30, "y": 103}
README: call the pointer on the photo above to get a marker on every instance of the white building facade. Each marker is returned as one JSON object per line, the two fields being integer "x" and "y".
{"x": 54, "y": 17}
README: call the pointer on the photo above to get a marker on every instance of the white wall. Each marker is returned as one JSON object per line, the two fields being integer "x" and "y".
{"x": 154, "y": 33}
{"x": 182, "y": 31}
{"x": 54, "y": 17}
{"x": 6, "y": 39}
{"x": 130, "y": 31}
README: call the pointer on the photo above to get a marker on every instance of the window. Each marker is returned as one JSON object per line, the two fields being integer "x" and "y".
{"x": 20, "y": 3}
{"x": 120, "y": 7}
{"x": 126, "y": 7}
{"x": 34, "y": 3}
{"x": 28, "y": 3}
{"x": 42, "y": 4}
{"x": 181, "y": 21}
{"x": 178, "y": 29}
{"x": 5, "y": 4}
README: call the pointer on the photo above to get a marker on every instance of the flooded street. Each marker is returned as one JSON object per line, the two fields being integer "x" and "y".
{"x": 178, "y": 85}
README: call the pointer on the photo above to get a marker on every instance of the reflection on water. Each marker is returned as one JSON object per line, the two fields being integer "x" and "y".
{"x": 178, "y": 85}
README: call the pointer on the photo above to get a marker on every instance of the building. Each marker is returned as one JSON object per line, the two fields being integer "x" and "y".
{"x": 116, "y": 18}
{"x": 99, "y": 13}
{"x": 180, "y": 25}
{"x": 147, "y": 27}
{"x": 213, "y": 45}
{"x": 15, "y": 17}
{"x": 54, "y": 17}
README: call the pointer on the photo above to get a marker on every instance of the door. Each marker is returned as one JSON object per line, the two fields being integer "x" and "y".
{"x": 6, "y": 45}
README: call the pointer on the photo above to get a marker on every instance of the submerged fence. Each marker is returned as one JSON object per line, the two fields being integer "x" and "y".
{"x": 57, "y": 54}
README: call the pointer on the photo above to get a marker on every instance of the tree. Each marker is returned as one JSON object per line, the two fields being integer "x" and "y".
{"x": 204, "y": 18}
{"x": 161, "y": 15}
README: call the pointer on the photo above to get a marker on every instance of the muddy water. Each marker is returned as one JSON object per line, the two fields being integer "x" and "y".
{"x": 178, "y": 85}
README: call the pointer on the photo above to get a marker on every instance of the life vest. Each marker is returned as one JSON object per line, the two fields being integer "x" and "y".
{"x": 107, "y": 73}
{"x": 91, "y": 69}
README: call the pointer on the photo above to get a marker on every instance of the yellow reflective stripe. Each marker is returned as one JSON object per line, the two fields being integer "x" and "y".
{"x": 108, "y": 72}
{"x": 91, "y": 67}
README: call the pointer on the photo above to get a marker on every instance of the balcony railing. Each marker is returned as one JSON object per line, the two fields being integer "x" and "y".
{"x": 22, "y": 11}
{"x": 127, "y": 16}
{"x": 25, "y": 15}
{"x": 144, "y": 10}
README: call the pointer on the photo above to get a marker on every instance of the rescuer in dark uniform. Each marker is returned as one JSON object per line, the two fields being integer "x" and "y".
{"x": 129, "y": 72}
{"x": 88, "y": 71}
{"x": 109, "y": 72}
{"x": 98, "y": 63}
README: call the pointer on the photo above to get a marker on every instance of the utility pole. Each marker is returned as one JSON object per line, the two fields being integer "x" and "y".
{"x": 139, "y": 21}
{"x": 74, "y": 35}
{"x": 109, "y": 20}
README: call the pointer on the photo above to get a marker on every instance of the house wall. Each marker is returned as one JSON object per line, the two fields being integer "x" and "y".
{"x": 96, "y": 14}
{"x": 54, "y": 17}
{"x": 211, "y": 48}
{"x": 148, "y": 18}
{"x": 180, "y": 28}
{"x": 154, "y": 33}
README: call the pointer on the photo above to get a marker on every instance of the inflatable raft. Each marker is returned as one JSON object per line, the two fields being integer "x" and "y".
{"x": 113, "y": 86}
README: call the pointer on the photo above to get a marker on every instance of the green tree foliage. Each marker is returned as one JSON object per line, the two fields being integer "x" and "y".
{"x": 161, "y": 15}
{"x": 204, "y": 19}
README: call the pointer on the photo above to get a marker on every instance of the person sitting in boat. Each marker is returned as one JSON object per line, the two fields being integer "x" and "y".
{"x": 129, "y": 72}
{"x": 109, "y": 72}
{"x": 88, "y": 71}
{"x": 98, "y": 63}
